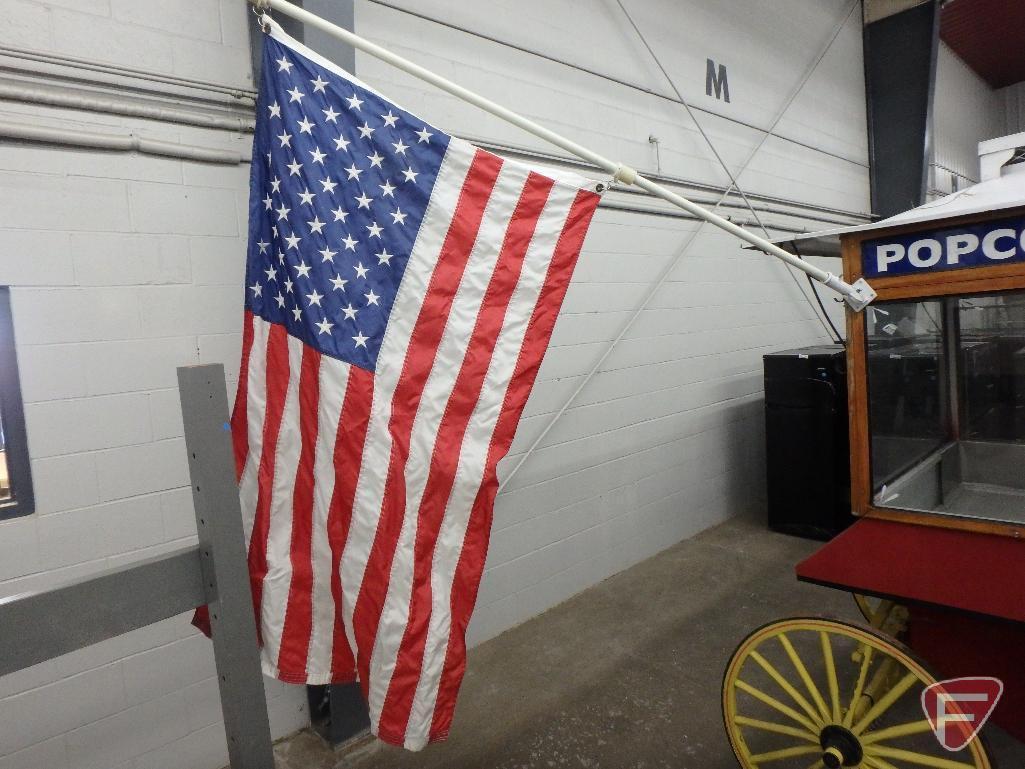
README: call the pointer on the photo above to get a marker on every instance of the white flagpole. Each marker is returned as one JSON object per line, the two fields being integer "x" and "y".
{"x": 857, "y": 296}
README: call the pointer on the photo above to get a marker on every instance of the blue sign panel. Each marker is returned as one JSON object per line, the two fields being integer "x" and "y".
{"x": 1001, "y": 241}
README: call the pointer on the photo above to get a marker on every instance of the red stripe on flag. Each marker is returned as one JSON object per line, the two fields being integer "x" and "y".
{"x": 445, "y": 457}
{"x": 239, "y": 415}
{"x": 475, "y": 543}
{"x": 352, "y": 434}
{"x": 277, "y": 385}
{"x": 295, "y": 635}
{"x": 427, "y": 332}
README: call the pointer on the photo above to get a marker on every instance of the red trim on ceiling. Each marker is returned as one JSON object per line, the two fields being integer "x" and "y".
{"x": 989, "y": 35}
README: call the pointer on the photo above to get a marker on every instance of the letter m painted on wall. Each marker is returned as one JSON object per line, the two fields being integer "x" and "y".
{"x": 715, "y": 79}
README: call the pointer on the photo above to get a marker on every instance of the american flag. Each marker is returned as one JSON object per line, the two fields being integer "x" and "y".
{"x": 401, "y": 289}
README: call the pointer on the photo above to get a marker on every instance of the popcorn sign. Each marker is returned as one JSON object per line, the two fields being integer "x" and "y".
{"x": 951, "y": 248}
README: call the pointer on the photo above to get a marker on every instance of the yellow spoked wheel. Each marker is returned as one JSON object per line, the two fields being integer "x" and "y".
{"x": 813, "y": 693}
{"x": 882, "y": 614}
{"x": 869, "y": 608}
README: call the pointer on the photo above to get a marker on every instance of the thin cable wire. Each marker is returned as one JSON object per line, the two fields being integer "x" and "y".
{"x": 655, "y": 287}
{"x": 664, "y": 275}
{"x": 593, "y": 72}
{"x": 616, "y": 169}
{"x": 836, "y": 334}
{"x": 827, "y": 324}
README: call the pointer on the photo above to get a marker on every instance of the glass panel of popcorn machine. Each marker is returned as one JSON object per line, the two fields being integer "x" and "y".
{"x": 946, "y": 386}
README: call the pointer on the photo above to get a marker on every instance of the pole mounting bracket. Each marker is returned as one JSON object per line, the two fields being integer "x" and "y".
{"x": 862, "y": 295}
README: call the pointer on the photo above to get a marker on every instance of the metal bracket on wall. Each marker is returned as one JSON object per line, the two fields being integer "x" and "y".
{"x": 38, "y": 626}
{"x": 338, "y": 713}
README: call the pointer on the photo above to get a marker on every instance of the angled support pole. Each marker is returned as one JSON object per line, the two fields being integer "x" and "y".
{"x": 222, "y": 557}
{"x": 858, "y": 295}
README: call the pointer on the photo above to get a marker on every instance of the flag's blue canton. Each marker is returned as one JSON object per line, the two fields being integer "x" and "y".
{"x": 339, "y": 185}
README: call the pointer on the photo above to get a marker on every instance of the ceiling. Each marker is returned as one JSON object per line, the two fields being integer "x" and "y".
{"x": 989, "y": 35}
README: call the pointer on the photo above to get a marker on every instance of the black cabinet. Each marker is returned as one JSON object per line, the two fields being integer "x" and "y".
{"x": 807, "y": 454}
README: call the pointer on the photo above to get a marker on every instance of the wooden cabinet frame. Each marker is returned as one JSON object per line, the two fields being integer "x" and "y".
{"x": 968, "y": 280}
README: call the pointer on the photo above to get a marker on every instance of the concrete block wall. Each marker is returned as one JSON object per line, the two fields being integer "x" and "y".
{"x": 667, "y": 438}
{"x": 123, "y": 267}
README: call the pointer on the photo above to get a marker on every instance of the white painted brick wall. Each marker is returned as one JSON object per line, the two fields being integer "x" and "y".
{"x": 667, "y": 439}
{"x": 124, "y": 267}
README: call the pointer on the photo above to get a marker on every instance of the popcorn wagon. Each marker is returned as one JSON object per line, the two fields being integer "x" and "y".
{"x": 936, "y": 557}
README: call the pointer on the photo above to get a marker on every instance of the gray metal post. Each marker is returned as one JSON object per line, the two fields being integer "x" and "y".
{"x": 225, "y": 576}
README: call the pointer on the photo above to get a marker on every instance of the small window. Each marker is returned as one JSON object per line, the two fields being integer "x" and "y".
{"x": 15, "y": 474}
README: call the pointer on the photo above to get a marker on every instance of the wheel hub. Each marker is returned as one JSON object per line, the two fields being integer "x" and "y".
{"x": 839, "y": 747}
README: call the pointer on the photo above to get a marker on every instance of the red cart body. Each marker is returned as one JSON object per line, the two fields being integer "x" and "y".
{"x": 964, "y": 593}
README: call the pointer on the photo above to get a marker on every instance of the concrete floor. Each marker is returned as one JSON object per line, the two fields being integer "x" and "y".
{"x": 626, "y": 674}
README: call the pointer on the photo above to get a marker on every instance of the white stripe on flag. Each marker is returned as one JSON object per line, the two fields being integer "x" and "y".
{"x": 473, "y": 456}
{"x": 377, "y": 450}
{"x": 334, "y": 376}
{"x": 279, "y": 538}
{"x": 447, "y": 365}
{"x": 256, "y": 411}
